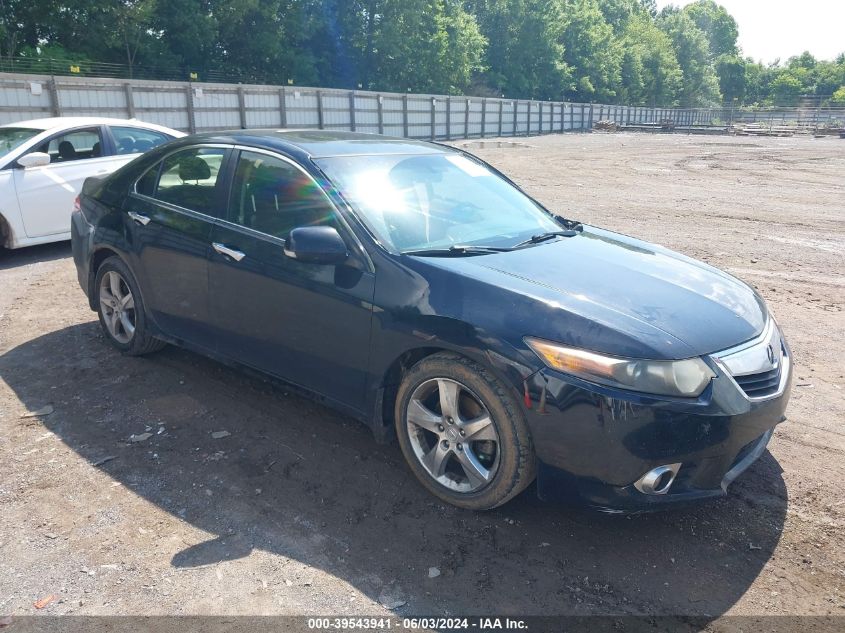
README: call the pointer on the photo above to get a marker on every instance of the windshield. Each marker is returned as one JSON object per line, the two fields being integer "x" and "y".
{"x": 12, "y": 137}
{"x": 435, "y": 201}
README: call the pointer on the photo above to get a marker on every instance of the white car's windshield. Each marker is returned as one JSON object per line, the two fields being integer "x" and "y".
{"x": 435, "y": 201}
{"x": 13, "y": 137}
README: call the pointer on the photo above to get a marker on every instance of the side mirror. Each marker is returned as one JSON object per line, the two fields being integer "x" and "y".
{"x": 316, "y": 245}
{"x": 34, "y": 159}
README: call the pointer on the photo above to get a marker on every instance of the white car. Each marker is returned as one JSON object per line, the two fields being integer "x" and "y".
{"x": 44, "y": 162}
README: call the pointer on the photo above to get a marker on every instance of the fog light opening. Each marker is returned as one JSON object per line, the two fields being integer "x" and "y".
{"x": 658, "y": 480}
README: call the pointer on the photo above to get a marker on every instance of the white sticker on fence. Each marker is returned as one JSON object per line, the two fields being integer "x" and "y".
{"x": 35, "y": 88}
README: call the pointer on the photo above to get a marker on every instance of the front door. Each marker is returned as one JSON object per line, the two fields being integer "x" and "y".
{"x": 307, "y": 323}
{"x": 170, "y": 218}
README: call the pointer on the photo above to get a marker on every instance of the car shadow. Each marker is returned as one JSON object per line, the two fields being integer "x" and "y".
{"x": 33, "y": 254}
{"x": 294, "y": 478}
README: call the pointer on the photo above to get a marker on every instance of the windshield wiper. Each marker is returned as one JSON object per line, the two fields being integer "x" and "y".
{"x": 542, "y": 237}
{"x": 456, "y": 250}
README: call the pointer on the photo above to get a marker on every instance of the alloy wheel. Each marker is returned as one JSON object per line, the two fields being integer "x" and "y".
{"x": 453, "y": 435}
{"x": 118, "y": 307}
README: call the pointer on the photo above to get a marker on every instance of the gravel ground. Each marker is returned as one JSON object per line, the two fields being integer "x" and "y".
{"x": 298, "y": 511}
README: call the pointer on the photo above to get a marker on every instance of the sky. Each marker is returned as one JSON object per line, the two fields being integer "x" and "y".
{"x": 772, "y": 29}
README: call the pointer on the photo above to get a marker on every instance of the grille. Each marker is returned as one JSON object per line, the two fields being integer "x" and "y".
{"x": 760, "y": 385}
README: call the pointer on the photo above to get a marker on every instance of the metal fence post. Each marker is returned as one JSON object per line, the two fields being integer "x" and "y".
{"x": 242, "y": 106}
{"x": 320, "y": 123}
{"x": 466, "y": 117}
{"x": 433, "y": 118}
{"x": 540, "y": 125}
{"x": 352, "y": 110}
{"x": 283, "y": 108}
{"x": 501, "y": 115}
{"x": 590, "y": 121}
{"x": 189, "y": 100}
{"x": 515, "y": 105}
{"x": 380, "y": 100}
{"x": 405, "y": 116}
{"x": 528, "y": 125}
{"x": 448, "y": 118}
{"x": 54, "y": 97}
{"x": 130, "y": 101}
{"x": 483, "y": 116}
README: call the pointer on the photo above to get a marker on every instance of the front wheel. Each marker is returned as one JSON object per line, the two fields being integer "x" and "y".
{"x": 462, "y": 433}
{"x": 121, "y": 309}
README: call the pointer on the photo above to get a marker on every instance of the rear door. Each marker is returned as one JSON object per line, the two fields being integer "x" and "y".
{"x": 46, "y": 194}
{"x": 170, "y": 217}
{"x": 307, "y": 323}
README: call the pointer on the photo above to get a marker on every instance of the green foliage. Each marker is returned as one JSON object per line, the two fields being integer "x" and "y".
{"x": 591, "y": 52}
{"x": 786, "y": 89}
{"x": 699, "y": 84}
{"x": 733, "y": 80}
{"x": 718, "y": 26}
{"x": 525, "y": 51}
{"x": 838, "y": 98}
{"x": 650, "y": 71}
{"x": 616, "y": 51}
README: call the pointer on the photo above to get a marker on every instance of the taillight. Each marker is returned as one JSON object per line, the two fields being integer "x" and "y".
{"x": 77, "y": 205}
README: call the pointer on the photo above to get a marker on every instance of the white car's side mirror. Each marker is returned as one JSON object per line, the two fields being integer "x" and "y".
{"x": 34, "y": 159}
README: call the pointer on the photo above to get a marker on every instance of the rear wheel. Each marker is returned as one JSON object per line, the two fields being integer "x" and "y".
{"x": 462, "y": 433}
{"x": 121, "y": 309}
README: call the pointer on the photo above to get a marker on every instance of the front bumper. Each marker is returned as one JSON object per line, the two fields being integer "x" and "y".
{"x": 593, "y": 442}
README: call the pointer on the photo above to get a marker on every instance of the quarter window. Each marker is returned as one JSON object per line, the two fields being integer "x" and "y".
{"x": 274, "y": 197}
{"x": 133, "y": 140}
{"x": 187, "y": 179}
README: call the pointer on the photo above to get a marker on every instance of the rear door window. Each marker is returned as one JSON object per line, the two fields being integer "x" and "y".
{"x": 133, "y": 140}
{"x": 187, "y": 179}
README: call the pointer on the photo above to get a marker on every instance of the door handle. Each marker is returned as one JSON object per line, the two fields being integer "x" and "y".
{"x": 230, "y": 252}
{"x": 140, "y": 219}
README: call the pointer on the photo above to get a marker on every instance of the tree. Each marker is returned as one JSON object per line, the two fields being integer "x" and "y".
{"x": 838, "y": 98}
{"x": 718, "y": 26}
{"x": 189, "y": 32}
{"x": 419, "y": 45}
{"x": 732, "y": 77}
{"x": 132, "y": 22}
{"x": 786, "y": 89}
{"x": 650, "y": 73}
{"x": 28, "y": 24}
{"x": 591, "y": 52}
{"x": 700, "y": 86}
{"x": 618, "y": 13}
{"x": 525, "y": 52}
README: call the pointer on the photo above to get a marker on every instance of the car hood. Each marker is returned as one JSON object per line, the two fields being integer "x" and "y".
{"x": 612, "y": 293}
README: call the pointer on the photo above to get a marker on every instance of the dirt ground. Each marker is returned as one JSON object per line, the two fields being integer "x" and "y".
{"x": 298, "y": 511}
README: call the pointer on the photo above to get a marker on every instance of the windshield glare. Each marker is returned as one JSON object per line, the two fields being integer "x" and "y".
{"x": 434, "y": 201}
{"x": 13, "y": 137}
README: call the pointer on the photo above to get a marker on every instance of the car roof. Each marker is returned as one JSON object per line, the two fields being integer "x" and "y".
{"x": 323, "y": 143}
{"x": 77, "y": 121}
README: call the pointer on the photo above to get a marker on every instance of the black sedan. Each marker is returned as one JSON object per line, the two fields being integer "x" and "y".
{"x": 416, "y": 288}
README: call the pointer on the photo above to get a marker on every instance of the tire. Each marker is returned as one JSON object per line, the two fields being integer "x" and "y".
{"x": 124, "y": 321}
{"x": 449, "y": 454}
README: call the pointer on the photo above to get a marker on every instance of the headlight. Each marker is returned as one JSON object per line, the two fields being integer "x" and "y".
{"x": 684, "y": 378}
